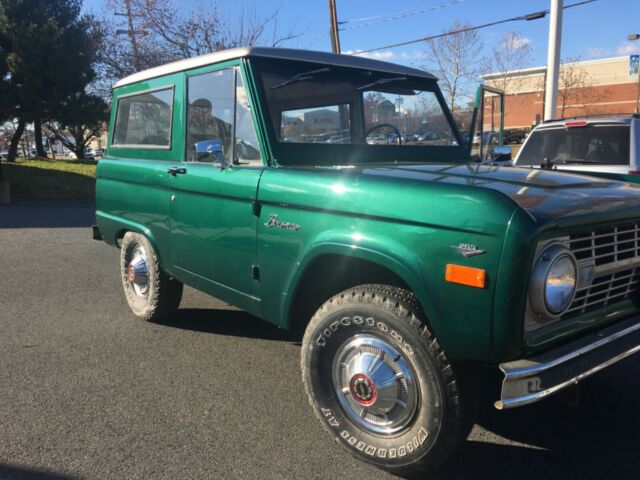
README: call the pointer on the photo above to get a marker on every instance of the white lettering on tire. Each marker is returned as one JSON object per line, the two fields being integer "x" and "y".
{"x": 411, "y": 446}
{"x": 321, "y": 341}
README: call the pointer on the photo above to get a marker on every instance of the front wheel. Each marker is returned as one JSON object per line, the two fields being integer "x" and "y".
{"x": 150, "y": 292}
{"x": 379, "y": 381}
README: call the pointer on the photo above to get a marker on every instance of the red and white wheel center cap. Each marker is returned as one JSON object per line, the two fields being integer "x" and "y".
{"x": 363, "y": 389}
{"x": 131, "y": 273}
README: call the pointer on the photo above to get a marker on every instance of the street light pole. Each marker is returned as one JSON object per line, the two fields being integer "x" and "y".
{"x": 632, "y": 37}
{"x": 553, "y": 59}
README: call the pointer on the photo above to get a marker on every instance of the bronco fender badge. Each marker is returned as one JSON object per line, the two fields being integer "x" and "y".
{"x": 467, "y": 250}
{"x": 273, "y": 222}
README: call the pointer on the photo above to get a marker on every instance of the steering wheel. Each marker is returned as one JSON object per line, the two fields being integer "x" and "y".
{"x": 381, "y": 125}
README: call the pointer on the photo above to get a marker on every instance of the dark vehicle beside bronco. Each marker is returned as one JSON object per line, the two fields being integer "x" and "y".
{"x": 405, "y": 264}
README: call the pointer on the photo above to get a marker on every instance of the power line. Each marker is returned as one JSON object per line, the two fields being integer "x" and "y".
{"x": 528, "y": 17}
{"x": 389, "y": 17}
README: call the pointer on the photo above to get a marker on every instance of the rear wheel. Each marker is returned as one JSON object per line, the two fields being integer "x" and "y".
{"x": 150, "y": 292}
{"x": 379, "y": 381}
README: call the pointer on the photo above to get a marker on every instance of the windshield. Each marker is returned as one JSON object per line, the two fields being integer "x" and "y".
{"x": 588, "y": 145}
{"x": 356, "y": 110}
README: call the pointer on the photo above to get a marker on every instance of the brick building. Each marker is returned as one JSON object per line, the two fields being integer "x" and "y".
{"x": 592, "y": 87}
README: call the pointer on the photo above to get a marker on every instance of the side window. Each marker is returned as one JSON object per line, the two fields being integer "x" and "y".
{"x": 144, "y": 120}
{"x": 210, "y": 116}
{"x": 247, "y": 147}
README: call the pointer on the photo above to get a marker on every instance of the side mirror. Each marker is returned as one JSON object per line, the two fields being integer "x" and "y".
{"x": 501, "y": 154}
{"x": 206, "y": 148}
{"x": 211, "y": 148}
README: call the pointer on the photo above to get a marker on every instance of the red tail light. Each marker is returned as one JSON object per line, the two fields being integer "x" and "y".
{"x": 575, "y": 124}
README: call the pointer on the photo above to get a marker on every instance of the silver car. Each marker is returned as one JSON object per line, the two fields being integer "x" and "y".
{"x": 590, "y": 144}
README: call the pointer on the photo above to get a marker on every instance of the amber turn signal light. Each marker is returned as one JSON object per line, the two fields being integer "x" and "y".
{"x": 473, "y": 277}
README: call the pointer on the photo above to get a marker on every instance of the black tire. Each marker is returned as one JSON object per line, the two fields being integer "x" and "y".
{"x": 439, "y": 423}
{"x": 161, "y": 295}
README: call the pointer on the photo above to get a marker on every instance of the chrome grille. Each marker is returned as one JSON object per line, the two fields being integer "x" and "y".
{"x": 605, "y": 290}
{"x": 606, "y": 246}
{"x": 614, "y": 254}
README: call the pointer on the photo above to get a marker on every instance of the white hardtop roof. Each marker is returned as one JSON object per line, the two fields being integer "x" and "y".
{"x": 324, "y": 58}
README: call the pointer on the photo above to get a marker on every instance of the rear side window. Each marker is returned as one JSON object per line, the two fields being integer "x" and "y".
{"x": 589, "y": 145}
{"x": 144, "y": 120}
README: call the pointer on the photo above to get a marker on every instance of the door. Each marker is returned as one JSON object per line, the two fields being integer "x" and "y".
{"x": 213, "y": 227}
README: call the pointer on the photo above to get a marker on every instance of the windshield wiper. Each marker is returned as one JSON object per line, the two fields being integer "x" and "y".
{"x": 382, "y": 81}
{"x": 301, "y": 77}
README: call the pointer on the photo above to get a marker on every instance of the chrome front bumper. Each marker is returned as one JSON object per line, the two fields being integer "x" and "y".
{"x": 532, "y": 379}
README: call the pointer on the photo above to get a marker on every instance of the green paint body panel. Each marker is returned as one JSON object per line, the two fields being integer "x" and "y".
{"x": 211, "y": 227}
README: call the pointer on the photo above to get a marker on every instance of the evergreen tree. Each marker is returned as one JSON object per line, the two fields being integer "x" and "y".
{"x": 82, "y": 118}
{"x": 49, "y": 49}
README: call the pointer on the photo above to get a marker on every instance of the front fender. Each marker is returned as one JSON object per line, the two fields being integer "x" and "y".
{"x": 423, "y": 273}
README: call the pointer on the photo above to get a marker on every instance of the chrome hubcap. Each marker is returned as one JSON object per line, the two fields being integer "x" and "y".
{"x": 375, "y": 384}
{"x": 137, "y": 271}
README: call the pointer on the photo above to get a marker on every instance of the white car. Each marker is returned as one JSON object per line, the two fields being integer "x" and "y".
{"x": 591, "y": 144}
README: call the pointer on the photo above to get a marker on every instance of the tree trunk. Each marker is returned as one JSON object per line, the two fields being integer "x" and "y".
{"x": 51, "y": 148}
{"x": 79, "y": 143}
{"x": 37, "y": 131}
{"x": 13, "y": 146}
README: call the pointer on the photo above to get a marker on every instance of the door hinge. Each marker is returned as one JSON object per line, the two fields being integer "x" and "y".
{"x": 255, "y": 272}
{"x": 256, "y": 208}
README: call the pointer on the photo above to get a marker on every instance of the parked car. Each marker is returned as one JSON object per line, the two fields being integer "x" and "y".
{"x": 587, "y": 145}
{"x": 4, "y": 155}
{"x": 514, "y": 135}
{"x": 489, "y": 141}
{"x": 98, "y": 152}
{"x": 409, "y": 268}
{"x": 89, "y": 154}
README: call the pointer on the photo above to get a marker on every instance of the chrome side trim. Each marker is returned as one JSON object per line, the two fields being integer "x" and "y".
{"x": 527, "y": 381}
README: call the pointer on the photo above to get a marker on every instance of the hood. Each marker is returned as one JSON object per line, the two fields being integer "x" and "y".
{"x": 545, "y": 195}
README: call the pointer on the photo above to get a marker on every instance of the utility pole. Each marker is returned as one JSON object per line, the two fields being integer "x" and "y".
{"x": 132, "y": 33}
{"x": 553, "y": 59}
{"x": 335, "y": 36}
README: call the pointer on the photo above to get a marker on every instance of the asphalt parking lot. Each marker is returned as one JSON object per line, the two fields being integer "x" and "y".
{"x": 87, "y": 391}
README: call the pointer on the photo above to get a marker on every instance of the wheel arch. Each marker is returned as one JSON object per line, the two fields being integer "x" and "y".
{"x": 114, "y": 228}
{"x": 332, "y": 268}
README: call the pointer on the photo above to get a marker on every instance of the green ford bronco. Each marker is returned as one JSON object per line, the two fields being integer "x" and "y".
{"x": 333, "y": 195}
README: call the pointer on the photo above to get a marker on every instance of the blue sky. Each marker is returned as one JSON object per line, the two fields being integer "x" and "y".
{"x": 595, "y": 30}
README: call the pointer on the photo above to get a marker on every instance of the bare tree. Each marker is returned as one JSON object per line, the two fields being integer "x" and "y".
{"x": 577, "y": 89}
{"x": 164, "y": 33}
{"x": 458, "y": 62}
{"x": 513, "y": 52}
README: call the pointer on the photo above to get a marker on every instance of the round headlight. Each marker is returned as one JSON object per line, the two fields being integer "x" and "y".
{"x": 560, "y": 284}
{"x": 553, "y": 281}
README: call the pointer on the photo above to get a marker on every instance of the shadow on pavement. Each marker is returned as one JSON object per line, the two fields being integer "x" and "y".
{"x": 47, "y": 214}
{"x": 234, "y": 323}
{"x": 597, "y": 439}
{"x": 14, "y": 472}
